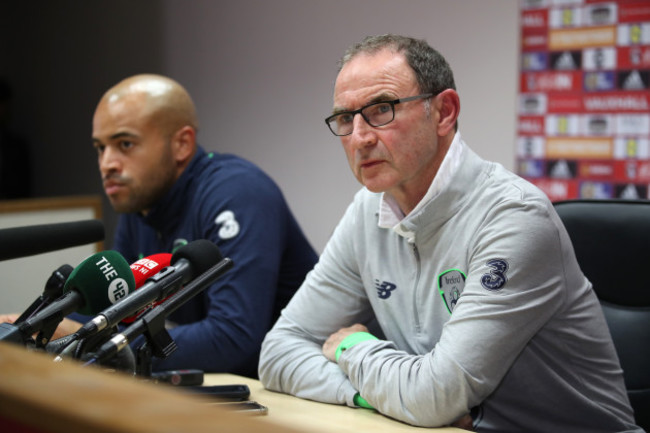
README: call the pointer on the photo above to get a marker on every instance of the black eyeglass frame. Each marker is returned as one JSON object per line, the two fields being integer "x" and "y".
{"x": 360, "y": 111}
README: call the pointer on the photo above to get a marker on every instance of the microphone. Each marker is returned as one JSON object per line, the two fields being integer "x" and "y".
{"x": 99, "y": 281}
{"x": 143, "y": 269}
{"x": 186, "y": 263}
{"x": 53, "y": 289}
{"x": 30, "y": 240}
{"x": 153, "y": 321}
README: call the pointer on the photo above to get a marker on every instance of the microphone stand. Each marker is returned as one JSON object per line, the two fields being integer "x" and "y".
{"x": 10, "y": 332}
{"x": 13, "y": 333}
{"x": 152, "y": 324}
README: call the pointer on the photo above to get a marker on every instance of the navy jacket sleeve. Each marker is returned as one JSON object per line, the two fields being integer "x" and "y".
{"x": 252, "y": 225}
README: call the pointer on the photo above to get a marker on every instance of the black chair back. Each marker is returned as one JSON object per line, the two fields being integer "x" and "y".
{"x": 611, "y": 239}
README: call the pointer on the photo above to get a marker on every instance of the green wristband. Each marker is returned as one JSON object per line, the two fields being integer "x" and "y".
{"x": 360, "y": 401}
{"x": 351, "y": 340}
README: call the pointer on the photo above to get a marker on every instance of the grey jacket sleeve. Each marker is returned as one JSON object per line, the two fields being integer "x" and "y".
{"x": 331, "y": 297}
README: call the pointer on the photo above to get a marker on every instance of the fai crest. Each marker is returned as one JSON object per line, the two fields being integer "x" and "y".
{"x": 450, "y": 285}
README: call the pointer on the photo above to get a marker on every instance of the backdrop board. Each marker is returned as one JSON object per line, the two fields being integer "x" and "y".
{"x": 584, "y": 102}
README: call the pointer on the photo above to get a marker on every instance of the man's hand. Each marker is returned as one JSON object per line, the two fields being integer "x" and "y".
{"x": 8, "y": 318}
{"x": 66, "y": 327}
{"x": 464, "y": 422}
{"x": 330, "y": 345}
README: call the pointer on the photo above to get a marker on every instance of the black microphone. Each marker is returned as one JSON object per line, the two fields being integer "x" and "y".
{"x": 152, "y": 322}
{"x": 30, "y": 240}
{"x": 187, "y": 262}
{"x": 101, "y": 279}
{"x": 53, "y": 289}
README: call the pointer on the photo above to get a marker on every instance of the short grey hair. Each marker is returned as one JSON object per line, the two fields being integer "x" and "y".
{"x": 432, "y": 72}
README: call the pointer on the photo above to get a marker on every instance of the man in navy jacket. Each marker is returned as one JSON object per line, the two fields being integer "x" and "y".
{"x": 170, "y": 191}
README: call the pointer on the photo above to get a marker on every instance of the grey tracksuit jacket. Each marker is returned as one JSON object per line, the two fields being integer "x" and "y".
{"x": 481, "y": 307}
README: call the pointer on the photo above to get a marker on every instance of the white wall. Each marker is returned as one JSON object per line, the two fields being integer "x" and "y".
{"x": 262, "y": 73}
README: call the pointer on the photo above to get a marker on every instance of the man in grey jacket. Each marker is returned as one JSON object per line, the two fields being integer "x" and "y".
{"x": 481, "y": 305}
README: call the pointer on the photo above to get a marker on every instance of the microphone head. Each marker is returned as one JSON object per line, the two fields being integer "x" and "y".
{"x": 24, "y": 241}
{"x": 143, "y": 269}
{"x": 201, "y": 253}
{"x": 149, "y": 266}
{"x": 102, "y": 279}
{"x": 54, "y": 285}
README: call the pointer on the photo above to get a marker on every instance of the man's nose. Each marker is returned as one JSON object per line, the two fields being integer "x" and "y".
{"x": 109, "y": 161}
{"x": 363, "y": 134}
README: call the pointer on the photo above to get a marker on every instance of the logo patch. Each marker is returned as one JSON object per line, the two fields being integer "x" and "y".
{"x": 450, "y": 285}
{"x": 117, "y": 289}
{"x": 229, "y": 225}
{"x": 496, "y": 278}
{"x": 384, "y": 288}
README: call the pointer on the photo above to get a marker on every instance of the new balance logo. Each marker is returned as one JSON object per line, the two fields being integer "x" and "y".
{"x": 384, "y": 288}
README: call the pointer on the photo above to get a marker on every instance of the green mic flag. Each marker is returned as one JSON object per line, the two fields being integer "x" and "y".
{"x": 103, "y": 279}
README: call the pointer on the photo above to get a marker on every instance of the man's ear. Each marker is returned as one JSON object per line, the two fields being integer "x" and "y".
{"x": 449, "y": 109}
{"x": 184, "y": 144}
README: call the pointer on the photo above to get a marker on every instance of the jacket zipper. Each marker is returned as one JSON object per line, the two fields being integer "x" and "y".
{"x": 416, "y": 316}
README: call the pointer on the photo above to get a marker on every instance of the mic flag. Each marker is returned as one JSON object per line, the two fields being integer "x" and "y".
{"x": 152, "y": 322}
{"x": 142, "y": 270}
{"x": 25, "y": 241}
{"x": 99, "y": 281}
{"x": 187, "y": 262}
{"x": 102, "y": 279}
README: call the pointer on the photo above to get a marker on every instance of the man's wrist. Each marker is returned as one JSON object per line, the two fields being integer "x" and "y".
{"x": 351, "y": 340}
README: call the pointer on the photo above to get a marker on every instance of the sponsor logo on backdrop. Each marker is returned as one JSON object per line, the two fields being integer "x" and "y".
{"x": 581, "y": 38}
{"x": 634, "y": 57}
{"x": 562, "y": 125}
{"x": 566, "y": 60}
{"x": 633, "y": 124}
{"x": 532, "y": 103}
{"x": 534, "y": 40}
{"x": 564, "y": 17}
{"x": 583, "y": 126}
{"x": 595, "y": 190}
{"x": 633, "y": 80}
{"x": 534, "y": 61}
{"x": 632, "y": 170}
{"x": 557, "y": 189}
{"x": 530, "y": 125}
{"x": 566, "y": 81}
{"x": 579, "y": 148}
{"x": 595, "y": 169}
{"x": 622, "y": 102}
{"x": 599, "y": 58}
{"x": 532, "y": 168}
{"x": 631, "y": 191}
{"x": 531, "y": 147}
{"x": 561, "y": 169}
{"x": 536, "y": 19}
{"x": 631, "y": 147}
{"x": 599, "y": 14}
{"x": 633, "y": 34}
{"x": 599, "y": 80}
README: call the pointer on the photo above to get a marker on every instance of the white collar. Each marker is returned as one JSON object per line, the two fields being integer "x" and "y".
{"x": 390, "y": 215}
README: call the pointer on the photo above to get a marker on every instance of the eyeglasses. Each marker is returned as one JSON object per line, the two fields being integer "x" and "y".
{"x": 376, "y": 114}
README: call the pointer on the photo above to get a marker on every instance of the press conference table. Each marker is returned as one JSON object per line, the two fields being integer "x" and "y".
{"x": 311, "y": 416}
{"x": 38, "y": 395}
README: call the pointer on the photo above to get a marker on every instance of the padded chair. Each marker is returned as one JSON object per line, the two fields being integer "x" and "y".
{"x": 611, "y": 239}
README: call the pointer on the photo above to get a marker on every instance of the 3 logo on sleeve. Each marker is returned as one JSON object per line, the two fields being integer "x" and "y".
{"x": 496, "y": 278}
{"x": 229, "y": 224}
